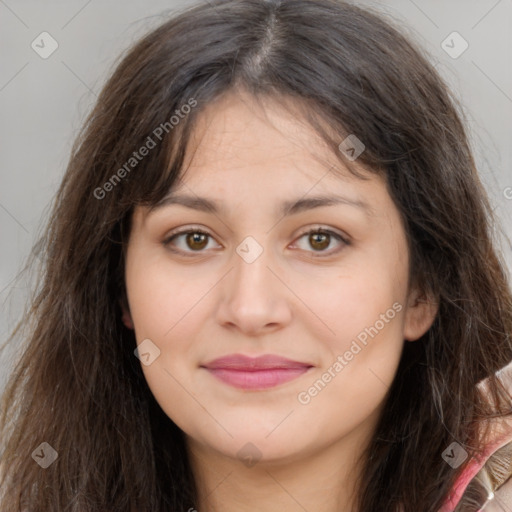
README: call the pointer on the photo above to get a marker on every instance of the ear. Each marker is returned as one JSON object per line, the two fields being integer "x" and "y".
{"x": 126, "y": 318}
{"x": 420, "y": 314}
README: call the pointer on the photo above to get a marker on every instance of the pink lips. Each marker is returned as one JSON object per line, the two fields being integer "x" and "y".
{"x": 260, "y": 372}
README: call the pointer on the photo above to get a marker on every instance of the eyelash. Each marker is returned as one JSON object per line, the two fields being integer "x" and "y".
{"x": 319, "y": 254}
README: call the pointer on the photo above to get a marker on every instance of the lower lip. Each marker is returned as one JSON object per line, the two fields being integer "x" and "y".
{"x": 257, "y": 379}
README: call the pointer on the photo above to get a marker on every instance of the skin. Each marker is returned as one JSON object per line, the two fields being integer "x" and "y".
{"x": 293, "y": 300}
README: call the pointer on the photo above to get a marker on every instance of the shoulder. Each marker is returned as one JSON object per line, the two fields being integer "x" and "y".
{"x": 492, "y": 468}
{"x": 502, "y": 498}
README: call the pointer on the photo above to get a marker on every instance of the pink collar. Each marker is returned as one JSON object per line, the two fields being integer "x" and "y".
{"x": 499, "y": 436}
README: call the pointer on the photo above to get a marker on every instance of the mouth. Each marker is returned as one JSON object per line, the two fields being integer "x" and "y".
{"x": 257, "y": 373}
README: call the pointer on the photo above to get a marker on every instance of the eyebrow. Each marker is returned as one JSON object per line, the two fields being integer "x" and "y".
{"x": 294, "y": 207}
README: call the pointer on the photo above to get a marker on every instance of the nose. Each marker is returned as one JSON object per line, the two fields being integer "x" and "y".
{"x": 254, "y": 297}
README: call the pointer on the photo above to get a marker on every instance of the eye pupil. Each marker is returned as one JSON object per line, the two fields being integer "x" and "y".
{"x": 196, "y": 238}
{"x": 319, "y": 240}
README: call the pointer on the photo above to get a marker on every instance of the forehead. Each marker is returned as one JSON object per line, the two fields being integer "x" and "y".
{"x": 261, "y": 139}
{"x": 246, "y": 121}
{"x": 244, "y": 153}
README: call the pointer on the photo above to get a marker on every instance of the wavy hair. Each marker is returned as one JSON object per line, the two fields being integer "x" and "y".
{"x": 78, "y": 386}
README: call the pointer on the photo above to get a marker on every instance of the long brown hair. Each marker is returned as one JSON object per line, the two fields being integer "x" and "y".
{"x": 77, "y": 385}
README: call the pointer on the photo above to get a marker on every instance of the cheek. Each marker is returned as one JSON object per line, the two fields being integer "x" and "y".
{"x": 361, "y": 312}
{"x": 160, "y": 298}
{"x": 163, "y": 306}
{"x": 348, "y": 302}
{"x": 359, "y": 367}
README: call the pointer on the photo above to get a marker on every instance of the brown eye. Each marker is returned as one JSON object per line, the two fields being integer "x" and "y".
{"x": 194, "y": 241}
{"x": 320, "y": 239}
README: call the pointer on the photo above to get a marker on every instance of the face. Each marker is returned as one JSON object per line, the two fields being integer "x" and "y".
{"x": 210, "y": 290}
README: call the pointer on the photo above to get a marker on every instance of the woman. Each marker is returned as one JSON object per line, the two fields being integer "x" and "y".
{"x": 271, "y": 282}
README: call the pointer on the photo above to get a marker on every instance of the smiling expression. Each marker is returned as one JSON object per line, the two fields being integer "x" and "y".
{"x": 227, "y": 267}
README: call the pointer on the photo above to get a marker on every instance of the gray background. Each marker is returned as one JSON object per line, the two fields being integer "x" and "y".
{"x": 44, "y": 101}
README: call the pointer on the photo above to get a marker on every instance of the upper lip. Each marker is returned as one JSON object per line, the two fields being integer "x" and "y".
{"x": 246, "y": 363}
